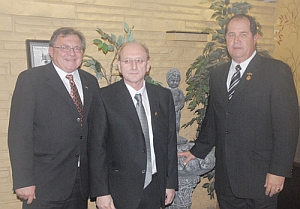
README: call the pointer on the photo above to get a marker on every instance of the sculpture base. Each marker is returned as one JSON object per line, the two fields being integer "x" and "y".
{"x": 183, "y": 197}
{"x": 189, "y": 175}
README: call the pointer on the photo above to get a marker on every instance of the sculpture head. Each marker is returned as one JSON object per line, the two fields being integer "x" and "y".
{"x": 173, "y": 78}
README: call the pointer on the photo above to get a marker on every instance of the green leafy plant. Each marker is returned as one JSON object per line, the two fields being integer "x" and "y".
{"x": 214, "y": 54}
{"x": 210, "y": 186}
{"x": 111, "y": 44}
{"x": 108, "y": 43}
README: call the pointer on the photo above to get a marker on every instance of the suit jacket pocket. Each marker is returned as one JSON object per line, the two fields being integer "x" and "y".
{"x": 43, "y": 158}
{"x": 260, "y": 161}
{"x": 261, "y": 155}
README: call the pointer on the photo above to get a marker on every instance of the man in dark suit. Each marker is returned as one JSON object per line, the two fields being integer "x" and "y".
{"x": 118, "y": 147}
{"x": 252, "y": 121}
{"x": 47, "y": 134}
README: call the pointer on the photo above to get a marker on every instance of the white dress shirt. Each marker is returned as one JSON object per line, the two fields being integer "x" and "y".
{"x": 146, "y": 105}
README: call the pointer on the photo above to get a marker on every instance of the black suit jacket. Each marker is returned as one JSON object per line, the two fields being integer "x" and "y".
{"x": 45, "y": 136}
{"x": 117, "y": 145}
{"x": 255, "y": 132}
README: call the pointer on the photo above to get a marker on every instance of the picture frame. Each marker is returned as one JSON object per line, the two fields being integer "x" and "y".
{"x": 37, "y": 53}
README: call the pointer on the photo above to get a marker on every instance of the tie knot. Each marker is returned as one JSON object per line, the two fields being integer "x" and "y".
{"x": 138, "y": 97}
{"x": 238, "y": 68}
{"x": 69, "y": 77}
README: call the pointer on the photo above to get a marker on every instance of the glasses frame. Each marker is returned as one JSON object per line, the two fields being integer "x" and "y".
{"x": 67, "y": 49}
{"x": 138, "y": 61}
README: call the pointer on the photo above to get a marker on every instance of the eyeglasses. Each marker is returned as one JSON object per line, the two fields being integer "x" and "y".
{"x": 138, "y": 61}
{"x": 64, "y": 48}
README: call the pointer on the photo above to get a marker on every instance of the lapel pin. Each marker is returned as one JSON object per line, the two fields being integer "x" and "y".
{"x": 156, "y": 113}
{"x": 248, "y": 76}
{"x": 86, "y": 87}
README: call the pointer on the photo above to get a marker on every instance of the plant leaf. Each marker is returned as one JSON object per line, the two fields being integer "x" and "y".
{"x": 126, "y": 27}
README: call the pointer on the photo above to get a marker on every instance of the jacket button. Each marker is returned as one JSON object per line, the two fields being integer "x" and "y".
{"x": 143, "y": 171}
{"x": 144, "y": 150}
{"x": 227, "y": 132}
{"x": 81, "y": 137}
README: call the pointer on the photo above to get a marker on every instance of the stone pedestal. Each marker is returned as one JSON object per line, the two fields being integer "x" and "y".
{"x": 189, "y": 175}
{"x": 183, "y": 198}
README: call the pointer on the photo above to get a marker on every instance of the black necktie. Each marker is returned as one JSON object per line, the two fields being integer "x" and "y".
{"x": 234, "y": 81}
{"x": 144, "y": 123}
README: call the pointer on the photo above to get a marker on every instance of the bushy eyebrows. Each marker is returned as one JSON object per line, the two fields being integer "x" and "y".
{"x": 242, "y": 32}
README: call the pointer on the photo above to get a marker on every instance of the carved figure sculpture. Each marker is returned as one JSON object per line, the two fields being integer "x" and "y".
{"x": 188, "y": 175}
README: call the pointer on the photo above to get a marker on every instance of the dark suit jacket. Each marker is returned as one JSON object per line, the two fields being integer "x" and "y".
{"x": 45, "y": 137}
{"x": 255, "y": 133}
{"x": 117, "y": 145}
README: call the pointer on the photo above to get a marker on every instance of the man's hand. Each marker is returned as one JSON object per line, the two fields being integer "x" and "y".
{"x": 189, "y": 156}
{"x": 26, "y": 193}
{"x": 274, "y": 184}
{"x": 170, "y": 194}
{"x": 105, "y": 202}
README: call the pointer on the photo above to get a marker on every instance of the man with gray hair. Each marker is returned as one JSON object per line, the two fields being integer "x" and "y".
{"x": 47, "y": 134}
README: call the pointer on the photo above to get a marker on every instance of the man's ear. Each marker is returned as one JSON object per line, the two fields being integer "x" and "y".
{"x": 148, "y": 65}
{"x": 50, "y": 51}
{"x": 255, "y": 38}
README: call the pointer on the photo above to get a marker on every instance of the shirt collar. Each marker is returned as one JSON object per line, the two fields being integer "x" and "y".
{"x": 133, "y": 92}
{"x": 62, "y": 74}
{"x": 244, "y": 64}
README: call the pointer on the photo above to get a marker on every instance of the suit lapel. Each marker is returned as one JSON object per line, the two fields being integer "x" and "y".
{"x": 87, "y": 93}
{"x": 219, "y": 76}
{"x": 122, "y": 98}
{"x": 154, "y": 105}
{"x": 223, "y": 83}
{"x": 55, "y": 82}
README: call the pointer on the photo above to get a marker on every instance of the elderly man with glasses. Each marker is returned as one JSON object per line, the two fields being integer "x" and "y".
{"x": 48, "y": 127}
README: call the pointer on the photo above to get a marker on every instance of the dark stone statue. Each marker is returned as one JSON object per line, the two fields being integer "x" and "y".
{"x": 188, "y": 175}
{"x": 173, "y": 80}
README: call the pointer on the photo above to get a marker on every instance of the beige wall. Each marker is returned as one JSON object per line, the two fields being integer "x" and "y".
{"x": 37, "y": 19}
{"x": 287, "y": 37}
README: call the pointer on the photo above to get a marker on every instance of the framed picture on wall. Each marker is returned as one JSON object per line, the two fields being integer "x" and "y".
{"x": 37, "y": 53}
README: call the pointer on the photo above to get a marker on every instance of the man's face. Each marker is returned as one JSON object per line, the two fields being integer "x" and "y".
{"x": 66, "y": 60}
{"x": 239, "y": 39}
{"x": 134, "y": 65}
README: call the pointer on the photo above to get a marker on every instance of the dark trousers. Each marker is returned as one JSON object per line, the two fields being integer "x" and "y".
{"x": 228, "y": 200}
{"x": 151, "y": 198}
{"x": 75, "y": 201}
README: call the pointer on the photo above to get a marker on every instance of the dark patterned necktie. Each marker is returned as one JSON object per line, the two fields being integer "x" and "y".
{"x": 75, "y": 96}
{"x": 234, "y": 81}
{"x": 144, "y": 123}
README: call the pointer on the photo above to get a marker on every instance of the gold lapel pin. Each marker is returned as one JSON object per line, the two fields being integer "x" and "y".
{"x": 248, "y": 76}
{"x": 156, "y": 113}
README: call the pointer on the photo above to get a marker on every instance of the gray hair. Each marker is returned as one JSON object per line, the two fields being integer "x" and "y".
{"x": 67, "y": 31}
